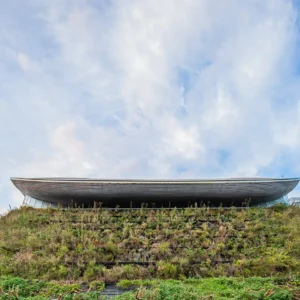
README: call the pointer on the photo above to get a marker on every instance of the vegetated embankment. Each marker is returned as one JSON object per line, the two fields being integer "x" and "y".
{"x": 112, "y": 245}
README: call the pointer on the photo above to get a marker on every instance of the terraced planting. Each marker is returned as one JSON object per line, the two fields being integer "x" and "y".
{"x": 112, "y": 245}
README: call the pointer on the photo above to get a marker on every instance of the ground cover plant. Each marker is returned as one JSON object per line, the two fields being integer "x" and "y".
{"x": 19, "y": 288}
{"x": 214, "y": 288}
{"x": 187, "y": 289}
{"x": 112, "y": 245}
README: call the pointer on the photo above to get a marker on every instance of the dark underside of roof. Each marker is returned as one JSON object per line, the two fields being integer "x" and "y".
{"x": 112, "y": 193}
{"x": 157, "y": 202}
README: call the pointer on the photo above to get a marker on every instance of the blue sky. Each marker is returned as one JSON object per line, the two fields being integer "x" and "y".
{"x": 148, "y": 89}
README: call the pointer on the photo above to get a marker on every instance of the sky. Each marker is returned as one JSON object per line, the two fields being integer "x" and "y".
{"x": 148, "y": 89}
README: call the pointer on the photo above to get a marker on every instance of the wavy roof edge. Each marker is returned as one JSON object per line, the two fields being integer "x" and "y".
{"x": 77, "y": 179}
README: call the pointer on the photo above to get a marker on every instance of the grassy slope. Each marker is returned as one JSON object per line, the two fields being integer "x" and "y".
{"x": 74, "y": 245}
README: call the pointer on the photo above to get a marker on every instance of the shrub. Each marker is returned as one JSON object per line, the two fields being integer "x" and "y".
{"x": 57, "y": 244}
{"x": 96, "y": 285}
{"x": 167, "y": 270}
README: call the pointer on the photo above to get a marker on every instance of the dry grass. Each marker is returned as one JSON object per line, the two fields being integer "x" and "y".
{"x": 68, "y": 244}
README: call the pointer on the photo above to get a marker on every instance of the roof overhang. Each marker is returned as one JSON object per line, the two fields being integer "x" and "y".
{"x": 84, "y": 191}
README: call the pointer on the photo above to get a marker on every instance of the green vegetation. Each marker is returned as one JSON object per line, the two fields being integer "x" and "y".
{"x": 214, "y": 288}
{"x": 112, "y": 245}
{"x": 184, "y": 254}
{"x": 19, "y": 288}
{"x": 188, "y": 289}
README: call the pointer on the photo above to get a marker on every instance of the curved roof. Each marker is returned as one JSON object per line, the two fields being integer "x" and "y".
{"x": 111, "y": 192}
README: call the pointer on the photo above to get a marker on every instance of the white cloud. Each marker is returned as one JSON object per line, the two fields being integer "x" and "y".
{"x": 148, "y": 89}
{"x": 26, "y": 63}
{"x": 64, "y": 139}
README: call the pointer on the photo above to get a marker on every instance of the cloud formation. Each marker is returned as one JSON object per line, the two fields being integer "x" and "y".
{"x": 148, "y": 89}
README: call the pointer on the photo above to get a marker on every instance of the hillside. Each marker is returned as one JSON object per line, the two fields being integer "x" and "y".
{"x": 111, "y": 245}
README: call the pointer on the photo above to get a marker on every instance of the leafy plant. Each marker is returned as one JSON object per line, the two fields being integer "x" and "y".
{"x": 168, "y": 243}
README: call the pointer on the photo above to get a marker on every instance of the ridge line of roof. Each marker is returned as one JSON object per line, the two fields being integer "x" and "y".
{"x": 149, "y": 181}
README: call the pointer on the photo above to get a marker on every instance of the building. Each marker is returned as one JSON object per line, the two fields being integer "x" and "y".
{"x": 67, "y": 192}
{"x": 294, "y": 201}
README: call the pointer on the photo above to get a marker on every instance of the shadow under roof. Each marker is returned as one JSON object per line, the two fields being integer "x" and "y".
{"x": 133, "y": 192}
